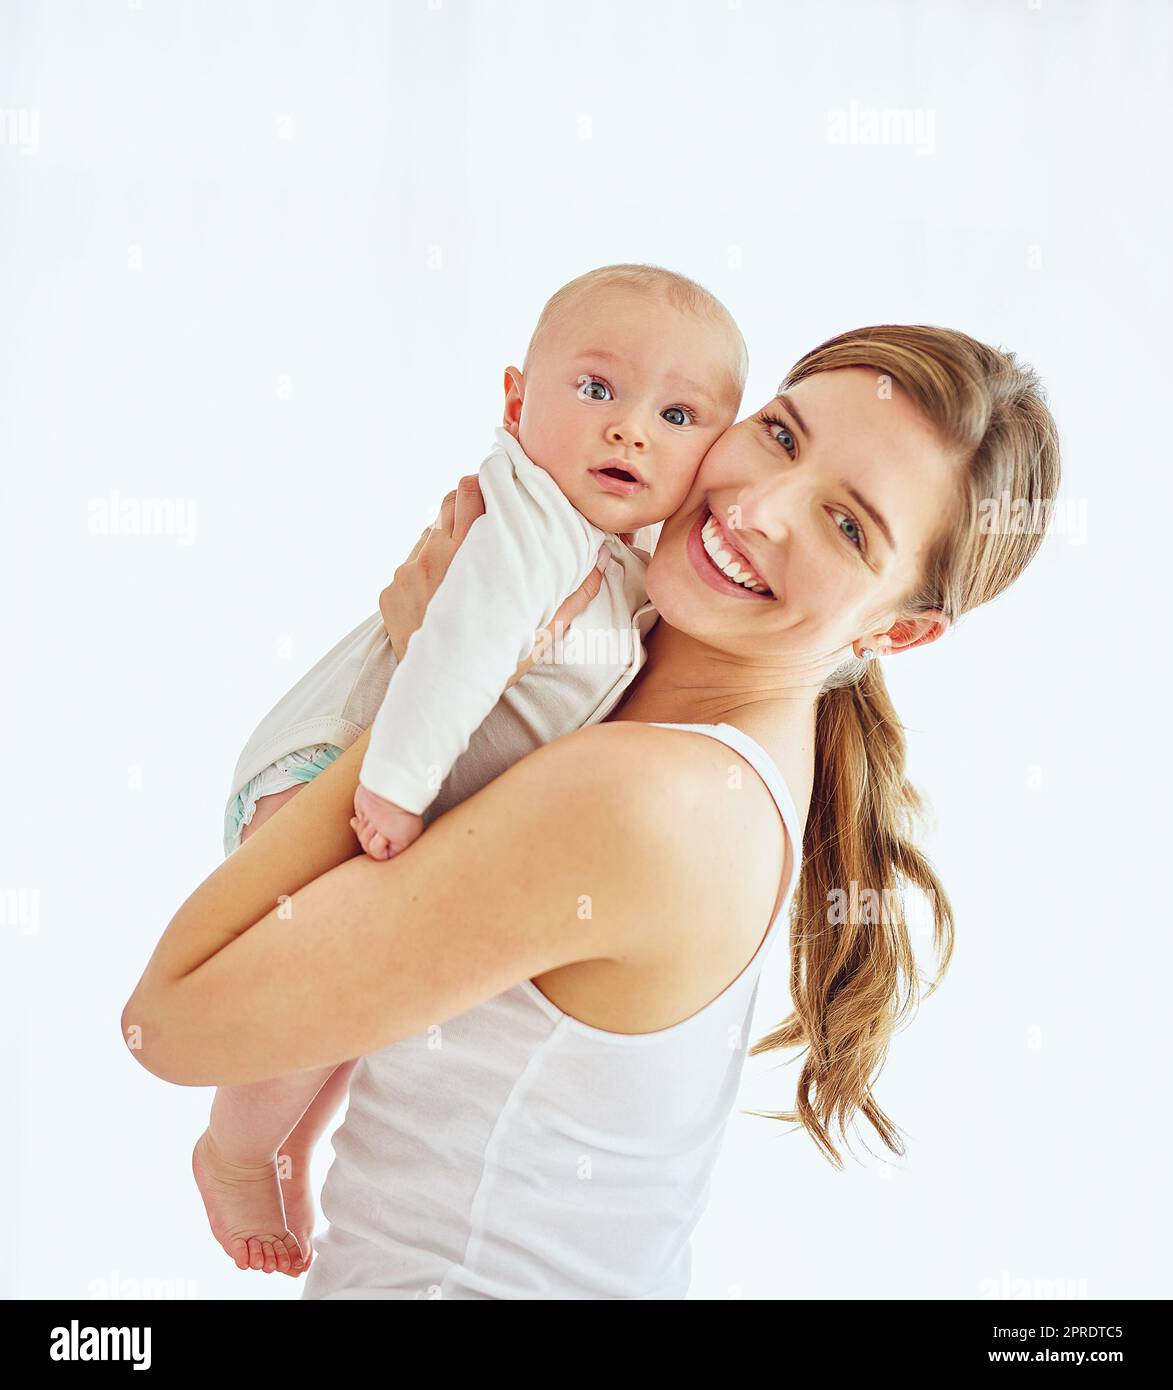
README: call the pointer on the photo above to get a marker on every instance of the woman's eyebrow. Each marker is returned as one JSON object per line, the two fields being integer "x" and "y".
{"x": 871, "y": 511}
{"x": 858, "y": 496}
{"x": 798, "y": 420}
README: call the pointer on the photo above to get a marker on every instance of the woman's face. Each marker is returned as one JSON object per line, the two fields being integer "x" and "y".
{"x": 832, "y": 498}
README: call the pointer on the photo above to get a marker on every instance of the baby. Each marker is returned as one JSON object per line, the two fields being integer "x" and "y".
{"x": 631, "y": 374}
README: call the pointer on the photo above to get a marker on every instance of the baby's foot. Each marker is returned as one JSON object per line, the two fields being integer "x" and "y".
{"x": 383, "y": 828}
{"x": 244, "y": 1207}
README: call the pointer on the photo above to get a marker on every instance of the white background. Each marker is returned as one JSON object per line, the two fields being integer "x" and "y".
{"x": 269, "y": 260}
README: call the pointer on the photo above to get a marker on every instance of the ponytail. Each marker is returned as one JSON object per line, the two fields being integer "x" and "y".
{"x": 853, "y": 974}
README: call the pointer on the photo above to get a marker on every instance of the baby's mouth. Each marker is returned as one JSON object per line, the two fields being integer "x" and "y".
{"x": 616, "y": 477}
{"x": 621, "y": 470}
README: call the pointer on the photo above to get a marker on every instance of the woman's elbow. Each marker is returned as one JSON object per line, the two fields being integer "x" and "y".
{"x": 145, "y": 1039}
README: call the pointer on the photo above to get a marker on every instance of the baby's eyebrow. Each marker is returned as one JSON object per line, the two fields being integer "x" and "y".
{"x": 599, "y": 355}
{"x": 697, "y": 389}
{"x": 606, "y": 355}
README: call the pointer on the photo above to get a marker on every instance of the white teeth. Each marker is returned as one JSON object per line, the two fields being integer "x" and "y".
{"x": 724, "y": 561}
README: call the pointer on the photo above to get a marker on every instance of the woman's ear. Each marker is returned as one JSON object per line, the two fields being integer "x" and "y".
{"x": 916, "y": 631}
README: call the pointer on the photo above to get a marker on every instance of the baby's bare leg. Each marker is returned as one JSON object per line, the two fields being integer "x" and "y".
{"x": 295, "y": 1160}
{"x": 249, "y": 1123}
{"x": 235, "y": 1159}
{"x": 243, "y": 1181}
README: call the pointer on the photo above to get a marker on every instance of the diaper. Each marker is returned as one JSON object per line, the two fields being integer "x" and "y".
{"x": 302, "y": 765}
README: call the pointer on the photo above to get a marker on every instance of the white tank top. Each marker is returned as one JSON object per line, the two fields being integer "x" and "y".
{"x": 519, "y": 1153}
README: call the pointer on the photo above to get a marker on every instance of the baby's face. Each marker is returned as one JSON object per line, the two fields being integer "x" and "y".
{"x": 623, "y": 398}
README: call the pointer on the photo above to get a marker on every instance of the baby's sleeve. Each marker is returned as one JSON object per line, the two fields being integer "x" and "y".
{"x": 509, "y": 576}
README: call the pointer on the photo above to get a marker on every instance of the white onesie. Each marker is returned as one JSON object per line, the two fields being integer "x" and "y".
{"x": 445, "y": 726}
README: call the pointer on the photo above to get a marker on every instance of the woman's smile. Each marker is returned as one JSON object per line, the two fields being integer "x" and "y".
{"x": 717, "y": 564}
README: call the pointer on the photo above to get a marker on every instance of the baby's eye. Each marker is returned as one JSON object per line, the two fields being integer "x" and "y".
{"x": 589, "y": 388}
{"x": 673, "y": 410}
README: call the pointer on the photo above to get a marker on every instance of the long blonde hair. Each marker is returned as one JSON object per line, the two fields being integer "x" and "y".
{"x": 852, "y": 981}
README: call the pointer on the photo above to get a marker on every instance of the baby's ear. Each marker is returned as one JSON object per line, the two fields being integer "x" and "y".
{"x": 514, "y": 392}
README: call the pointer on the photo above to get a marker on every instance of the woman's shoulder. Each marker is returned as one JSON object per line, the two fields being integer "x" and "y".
{"x": 681, "y": 795}
{"x": 664, "y": 833}
{"x": 647, "y": 756}
{"x": 657, "y": 747}
{"x": 639, "y": 757}
{"x": 696, "y": 829}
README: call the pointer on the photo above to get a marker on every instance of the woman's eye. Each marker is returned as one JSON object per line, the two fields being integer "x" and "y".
{"x": 590, "y": 388}
{"x": 858, "y": 543}
{"x": 779, "y": 432}
{"x": 673, "y": 410}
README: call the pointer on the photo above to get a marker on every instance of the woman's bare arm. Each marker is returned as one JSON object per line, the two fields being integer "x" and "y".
{"x": 299, "y": 951}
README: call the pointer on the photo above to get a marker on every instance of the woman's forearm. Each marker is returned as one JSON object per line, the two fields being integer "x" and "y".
{"x": 311, "y": 836}
{"x": 352, "y": 961}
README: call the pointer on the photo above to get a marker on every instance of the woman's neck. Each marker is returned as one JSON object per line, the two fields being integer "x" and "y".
{"x": 683, "y": 681}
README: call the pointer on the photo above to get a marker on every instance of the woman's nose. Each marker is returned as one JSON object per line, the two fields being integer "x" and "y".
{"x": 766, "y": 507}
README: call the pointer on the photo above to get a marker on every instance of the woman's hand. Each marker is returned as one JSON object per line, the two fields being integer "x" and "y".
{"x": 403, "y": 601}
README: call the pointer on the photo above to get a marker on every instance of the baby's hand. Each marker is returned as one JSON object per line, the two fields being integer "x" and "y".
{"x": 383, "y": 829}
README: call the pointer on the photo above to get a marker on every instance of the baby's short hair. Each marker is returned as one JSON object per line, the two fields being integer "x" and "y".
{"x": 680, "y": 291}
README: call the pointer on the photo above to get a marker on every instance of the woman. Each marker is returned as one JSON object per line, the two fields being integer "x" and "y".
{"x": 551, "y": 993}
